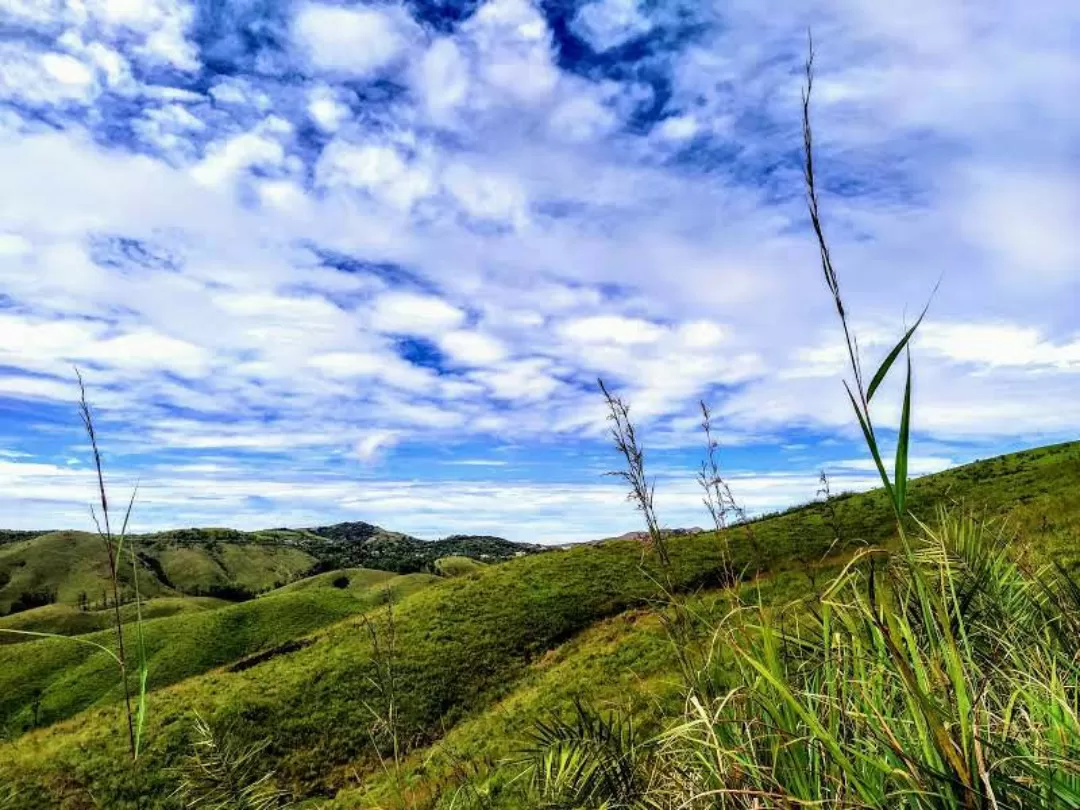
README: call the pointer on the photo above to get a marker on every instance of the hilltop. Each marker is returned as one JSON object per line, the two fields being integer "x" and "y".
{"x": 69, "y": 567}
{"x": 359, "y": 544}
{"x": 478, "y": 657}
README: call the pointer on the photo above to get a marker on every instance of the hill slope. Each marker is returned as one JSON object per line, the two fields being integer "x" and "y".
{"x": 345, "y": 545}
{"x": 70, "y": 568}
{"x": 64, "y": 620}
{"x": 48, "y": 680}
{"x": 457, "y": 566}
{"x": 464, "y": 644}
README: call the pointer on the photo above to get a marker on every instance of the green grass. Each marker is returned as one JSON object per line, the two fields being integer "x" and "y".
{"x": 47, "y": 680}
{"x": 72, "y": 566}
{"x": 69, "y": 567}
{"x": 465, "y": 643}
{"x": 625, "y": 662}
{"x": 66, "y": 565}
{"x": 362, "y": 579}
{"x": 64, "y": 620}
{"x": 455, "y": 566}
{"x": 250, "y": 567}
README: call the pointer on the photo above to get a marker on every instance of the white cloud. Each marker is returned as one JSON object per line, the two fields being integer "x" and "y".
{"x": 325, "y": 109}
{"x": 581, "y": 118}
{"x": 52, "y": 347}
{"x": 1000, "y": 344}
{"x": 378, "y": 169}
{"x": 917, "y": 465}
{"x": 700, "y": 334}
{"x": 380, "y": 368}
{"x": 169, "y": 128}
{"x": 678, "y": 128}
{"x": 606, "y": 24}
{"x": 614, "y": 329}
{"x": 354, "y": 41}
{"x": 12, "y": 244}
{"x": 373, "y": 445}
{"x": 150, "y": 351}
{"x": 413, "y": 314}
{"x": 1025, "y": 223}
{"x": 472, "y": 348}
{"x": 521, "y": 380}
{"x": 67, "y": 71}
{"x": 486, "y": 195}
{"x": 162, "y": 26}
{"x": 43, "y": 78}
{"x": 442, "y": 78}
{"x": 514, "y": 50}
{"x": 227, "y": 159}
{"x": 33, "y": 11}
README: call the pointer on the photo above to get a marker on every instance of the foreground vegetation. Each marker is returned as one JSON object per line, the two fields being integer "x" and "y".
{"x": 465, "y": 644}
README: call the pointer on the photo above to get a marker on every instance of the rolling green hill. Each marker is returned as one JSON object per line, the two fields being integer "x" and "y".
{"x": 467, "y": 646}
{"x": 343, "y": 578}
{"x": 69, "y": 568}
{"x": 65, "y": 620}
{"x": 455, "y": 566}
{"x": 345, "y": 545}
{"x": 47, "y": 680}
{"x": 63, "y": 567}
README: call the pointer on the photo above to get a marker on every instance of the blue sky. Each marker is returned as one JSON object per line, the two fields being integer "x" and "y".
{"x": 323, "y": 261}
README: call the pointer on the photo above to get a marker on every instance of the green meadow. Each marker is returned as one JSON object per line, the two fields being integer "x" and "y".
{"x": 480, "y": 655}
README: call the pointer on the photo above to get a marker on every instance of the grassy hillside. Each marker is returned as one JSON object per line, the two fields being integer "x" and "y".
{"x": 69, "y": 568}
{"x": 47, "y": 680}
{"x": 464, "y": 644}
{"x": 344, "y": 578}
{"x": 62, "y": 567}
{"x": 65, "y": 620}
{"x": 345, "y": 545}
{"x": 14, "y": 535}
{"x": 625, "y": 662}
{"x": 457, "y": 566}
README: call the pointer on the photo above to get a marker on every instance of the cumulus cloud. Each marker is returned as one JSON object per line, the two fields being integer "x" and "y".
{"x": 612, "y": 329}
{"x": 609, "y": 23}
{"x": 378, "y": 169}
{"x": 353, "y": 41}
{"x": 442, "y": 78}
{"x": 410, "y": 313}
{"x": 49, "y": 77}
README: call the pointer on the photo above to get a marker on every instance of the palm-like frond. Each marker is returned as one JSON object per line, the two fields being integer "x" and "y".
{"x": 222, "y": 774}
{"x": 592, "y": 761}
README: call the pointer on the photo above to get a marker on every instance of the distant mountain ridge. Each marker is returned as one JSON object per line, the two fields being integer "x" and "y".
{"x": 643, "y": 535}
{"x": 364, "y": 545}
{"x": 41, "y": 568}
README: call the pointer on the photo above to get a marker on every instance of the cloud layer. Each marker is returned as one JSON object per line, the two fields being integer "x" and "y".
{"x": 317, "y": 258}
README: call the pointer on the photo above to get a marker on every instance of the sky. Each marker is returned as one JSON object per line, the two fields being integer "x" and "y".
{"x": 325, "y": 261}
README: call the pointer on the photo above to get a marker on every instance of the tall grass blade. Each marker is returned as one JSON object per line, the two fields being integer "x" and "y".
{"x": 112, "y": 654}
{"x": 883, "y": 371}
{"x": 903, "y": 443}
{"x": 871, "y": 443}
